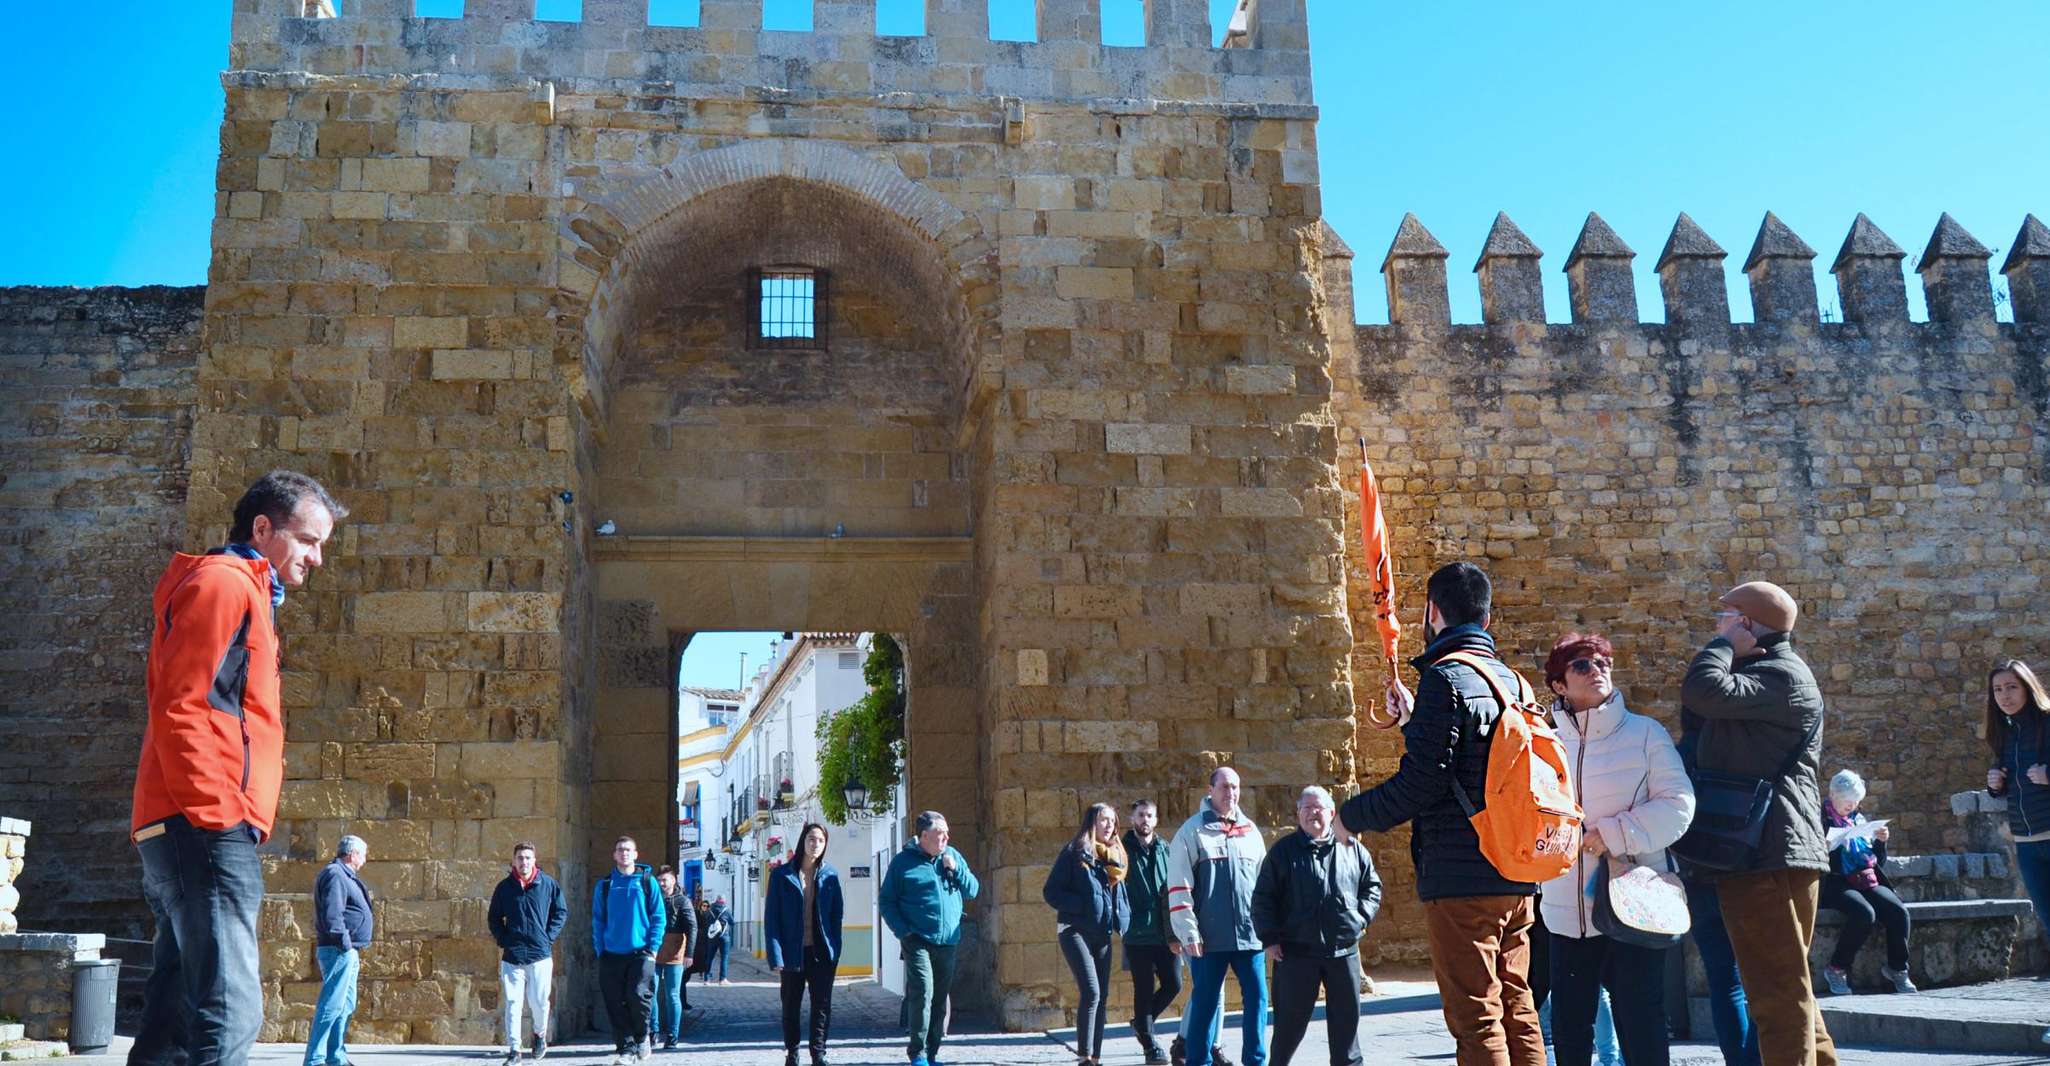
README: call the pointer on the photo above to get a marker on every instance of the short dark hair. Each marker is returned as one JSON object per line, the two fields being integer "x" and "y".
{"x": 525, "y": 846}
{"x": 665, "y": 869}
{"x": 1146, "y": 803}
{"x": 627, "y": 840}
{"x": 276, "y": 496}
{"x": 1461, "y": 592}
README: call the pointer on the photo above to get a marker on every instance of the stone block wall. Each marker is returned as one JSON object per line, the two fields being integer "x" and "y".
{"x": 96, "y": 397}
{"x": 1618, "y": 476}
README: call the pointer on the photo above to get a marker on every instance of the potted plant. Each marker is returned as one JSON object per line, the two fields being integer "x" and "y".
{"x": 786, "y": 791}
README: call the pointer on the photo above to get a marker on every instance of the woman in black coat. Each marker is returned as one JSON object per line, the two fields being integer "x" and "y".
{"x": 1086, "y": 889}
{"x": 2018, "y": 731}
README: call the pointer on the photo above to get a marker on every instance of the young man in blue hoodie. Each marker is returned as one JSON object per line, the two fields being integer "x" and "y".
{"x": 627, "y": 923}
{"x": 921, "y": 902}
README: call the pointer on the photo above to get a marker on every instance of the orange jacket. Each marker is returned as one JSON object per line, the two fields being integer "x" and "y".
{"x": 214, "y": 747}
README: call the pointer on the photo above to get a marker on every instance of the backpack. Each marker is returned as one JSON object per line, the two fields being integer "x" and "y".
{"x": 1530, "y": 829}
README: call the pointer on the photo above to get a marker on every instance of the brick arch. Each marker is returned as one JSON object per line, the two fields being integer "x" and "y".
{"x": 619, "y": 234}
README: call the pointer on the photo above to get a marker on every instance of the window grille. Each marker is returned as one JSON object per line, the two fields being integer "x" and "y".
{"x": 789, "y": 307}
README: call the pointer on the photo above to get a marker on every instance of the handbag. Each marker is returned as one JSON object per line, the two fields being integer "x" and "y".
{"x": 1730, "y": 811}
{"x": 1641, "y": 907}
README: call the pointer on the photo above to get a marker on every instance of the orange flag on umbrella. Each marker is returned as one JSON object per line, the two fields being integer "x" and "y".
{"x": 1381, "y": 566}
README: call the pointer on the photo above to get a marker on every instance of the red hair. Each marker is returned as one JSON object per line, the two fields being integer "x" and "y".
{"x": 1575, "y": 646}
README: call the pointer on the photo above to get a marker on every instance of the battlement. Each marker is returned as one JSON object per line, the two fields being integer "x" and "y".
{"x": 1265, "y": 60}
{"x": 1871, "y": 288}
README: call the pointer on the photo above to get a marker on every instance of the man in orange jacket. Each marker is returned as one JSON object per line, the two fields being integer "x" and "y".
{"x": 206, "y": 792}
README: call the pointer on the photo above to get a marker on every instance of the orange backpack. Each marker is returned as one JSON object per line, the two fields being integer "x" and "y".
{"x": 1530, "y": 828}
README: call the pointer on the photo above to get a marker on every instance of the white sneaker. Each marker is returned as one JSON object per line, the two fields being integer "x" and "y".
{"x": 1839, "y": 982}
{"x": 1899, "y": 979}
{"x": 642, "y": 1051}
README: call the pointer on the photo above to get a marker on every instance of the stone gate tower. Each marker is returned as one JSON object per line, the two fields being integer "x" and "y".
{"x": 1059, "y": 373}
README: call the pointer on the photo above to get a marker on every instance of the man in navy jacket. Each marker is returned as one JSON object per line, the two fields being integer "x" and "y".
{"x": 527, "y": 914}
{"x": 341, "y": 927}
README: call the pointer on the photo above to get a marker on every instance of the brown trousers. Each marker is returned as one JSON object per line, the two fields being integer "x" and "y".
{"x": 1770, "y": 916}
{"x": 1480, "y": 953}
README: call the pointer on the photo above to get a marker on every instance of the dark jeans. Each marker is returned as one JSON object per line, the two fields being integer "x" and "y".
{"x": 627, "y": 985}
{"x": 1636, "y": 980}
{"x": 1156, "y": 981}
{"x": 928, "y": 974}
{"x": 1088, "y": 956}
{"x": 204, "y": 1001}
{"x": 2032, "y": 861}
{"x": 815, "y": 976}
{"x": 1862, "y": 908}
{"x": 1297, "y": 977}
{"x": 1726, "y": 1006}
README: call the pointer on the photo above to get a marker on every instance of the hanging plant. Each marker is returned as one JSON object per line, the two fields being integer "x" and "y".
{"x": 865, "y": 742}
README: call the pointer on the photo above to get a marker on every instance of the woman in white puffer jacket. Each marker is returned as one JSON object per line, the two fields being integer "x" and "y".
{"x": 1637, "y": 801}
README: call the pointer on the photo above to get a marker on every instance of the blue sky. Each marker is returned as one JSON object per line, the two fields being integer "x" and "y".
{"x": 1452, "y": 110}
{"x": 712, "y": 660}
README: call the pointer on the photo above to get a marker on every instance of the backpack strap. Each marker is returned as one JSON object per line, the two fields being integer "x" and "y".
{"x": 1478, "y": 664}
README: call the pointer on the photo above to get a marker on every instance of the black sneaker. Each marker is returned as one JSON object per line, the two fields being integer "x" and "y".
{"x": 1178, "y": 1053}
{"x": 540, "y": 1050}
{"x": 512, "y": 1055}
{"x": 1155, "y": 1056}
{"x": 1218, "y": 1056}
{"x": 790, "y": 1057}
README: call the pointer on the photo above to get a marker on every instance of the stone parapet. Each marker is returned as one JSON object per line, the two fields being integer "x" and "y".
{"x": 36, "y": 976}
{"x": 730, "y": 55}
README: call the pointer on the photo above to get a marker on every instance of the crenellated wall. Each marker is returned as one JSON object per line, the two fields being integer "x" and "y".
{"x": 1617, "y": 476}
{"x": 728, "y": 55}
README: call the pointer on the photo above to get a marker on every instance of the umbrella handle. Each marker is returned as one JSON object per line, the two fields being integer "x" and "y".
{"x": 1374, "y": 715}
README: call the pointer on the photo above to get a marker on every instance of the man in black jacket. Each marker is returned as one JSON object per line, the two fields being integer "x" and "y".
{"x": 1478, "y": 922}
{"x": 527, "y": 914}
{"x": 1314, "y": 900}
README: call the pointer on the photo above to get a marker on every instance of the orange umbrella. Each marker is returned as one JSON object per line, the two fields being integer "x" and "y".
{"x": 1381, "y": 564}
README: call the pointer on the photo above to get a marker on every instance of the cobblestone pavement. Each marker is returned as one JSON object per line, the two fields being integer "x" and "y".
{"x": 738, "y": 1025}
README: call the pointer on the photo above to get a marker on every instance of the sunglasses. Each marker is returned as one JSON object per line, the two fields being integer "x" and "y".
{"x": 1590, "y": 665}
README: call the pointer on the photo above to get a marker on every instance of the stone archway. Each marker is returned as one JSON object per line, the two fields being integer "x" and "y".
{"x": 731, "y": 471}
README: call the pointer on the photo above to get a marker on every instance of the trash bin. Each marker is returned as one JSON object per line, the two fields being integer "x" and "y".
{"x": 94, "y": 985}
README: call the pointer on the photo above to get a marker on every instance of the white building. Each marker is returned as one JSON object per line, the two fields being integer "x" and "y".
{"x": 706, "y": 718}
{"x": 750, "y": 783}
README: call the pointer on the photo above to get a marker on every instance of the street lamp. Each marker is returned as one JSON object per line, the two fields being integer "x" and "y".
{"x": 855, "y": 794}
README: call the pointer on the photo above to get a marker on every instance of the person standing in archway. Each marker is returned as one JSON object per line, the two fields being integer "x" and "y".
{"x": 1086, "y": 889}
{"x": 801, "y": 925}
{"x": 627, "y": 923}
{"x": 213, "y": 763}
{"x": 921, "y": 900}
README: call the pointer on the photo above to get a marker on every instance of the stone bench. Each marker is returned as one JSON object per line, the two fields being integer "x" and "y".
{"x": 1950, "y": 942}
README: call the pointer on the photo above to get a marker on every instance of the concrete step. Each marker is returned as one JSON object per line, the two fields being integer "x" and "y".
{"x": 13, "y": 1031}
{"x": 1996, "y": 1017}
{"x": 32, "y": 1049}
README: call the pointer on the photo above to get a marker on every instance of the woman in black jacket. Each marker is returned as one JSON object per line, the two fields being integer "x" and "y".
{"x": 1086, "y": 889}
{"x": 2018, "y": 731}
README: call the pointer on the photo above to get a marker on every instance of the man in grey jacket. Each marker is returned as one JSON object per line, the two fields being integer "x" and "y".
{"x": 1212, "y": 866}
{"x": 1758, "y": 703}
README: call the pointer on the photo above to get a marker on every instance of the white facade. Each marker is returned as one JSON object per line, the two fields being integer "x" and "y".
{"x": 706, "y": 721}
{"x": 756, "y": 783}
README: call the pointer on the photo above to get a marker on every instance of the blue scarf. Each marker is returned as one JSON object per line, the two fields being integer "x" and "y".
{"x": 244, "y": 551}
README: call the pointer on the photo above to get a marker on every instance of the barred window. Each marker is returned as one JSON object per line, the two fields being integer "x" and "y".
{"x": 789, "y": 307}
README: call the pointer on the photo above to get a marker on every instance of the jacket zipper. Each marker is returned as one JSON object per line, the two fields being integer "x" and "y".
{"x": 2021, "y": 781}
{"x": 1580, "y": 797}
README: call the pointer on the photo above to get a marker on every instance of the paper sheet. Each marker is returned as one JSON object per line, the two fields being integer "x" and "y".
{"x": 1838, "y": 834}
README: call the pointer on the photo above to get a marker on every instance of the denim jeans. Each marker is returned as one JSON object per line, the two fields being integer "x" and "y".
{"x": 1205, "y": 1019}
{"x": 203, "y": 1005}
{"x": 1606, "y": 1051}
{"x": 328, "y": 1041}
{"x": 2033, "y": 862}
{"x": 669, "y": 1001}
{"x": 1726, "y": 1004}
{"x": 1633, "y": 978}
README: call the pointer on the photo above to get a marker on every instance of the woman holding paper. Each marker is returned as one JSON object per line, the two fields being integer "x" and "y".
{"x": 1856, "y": 885}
